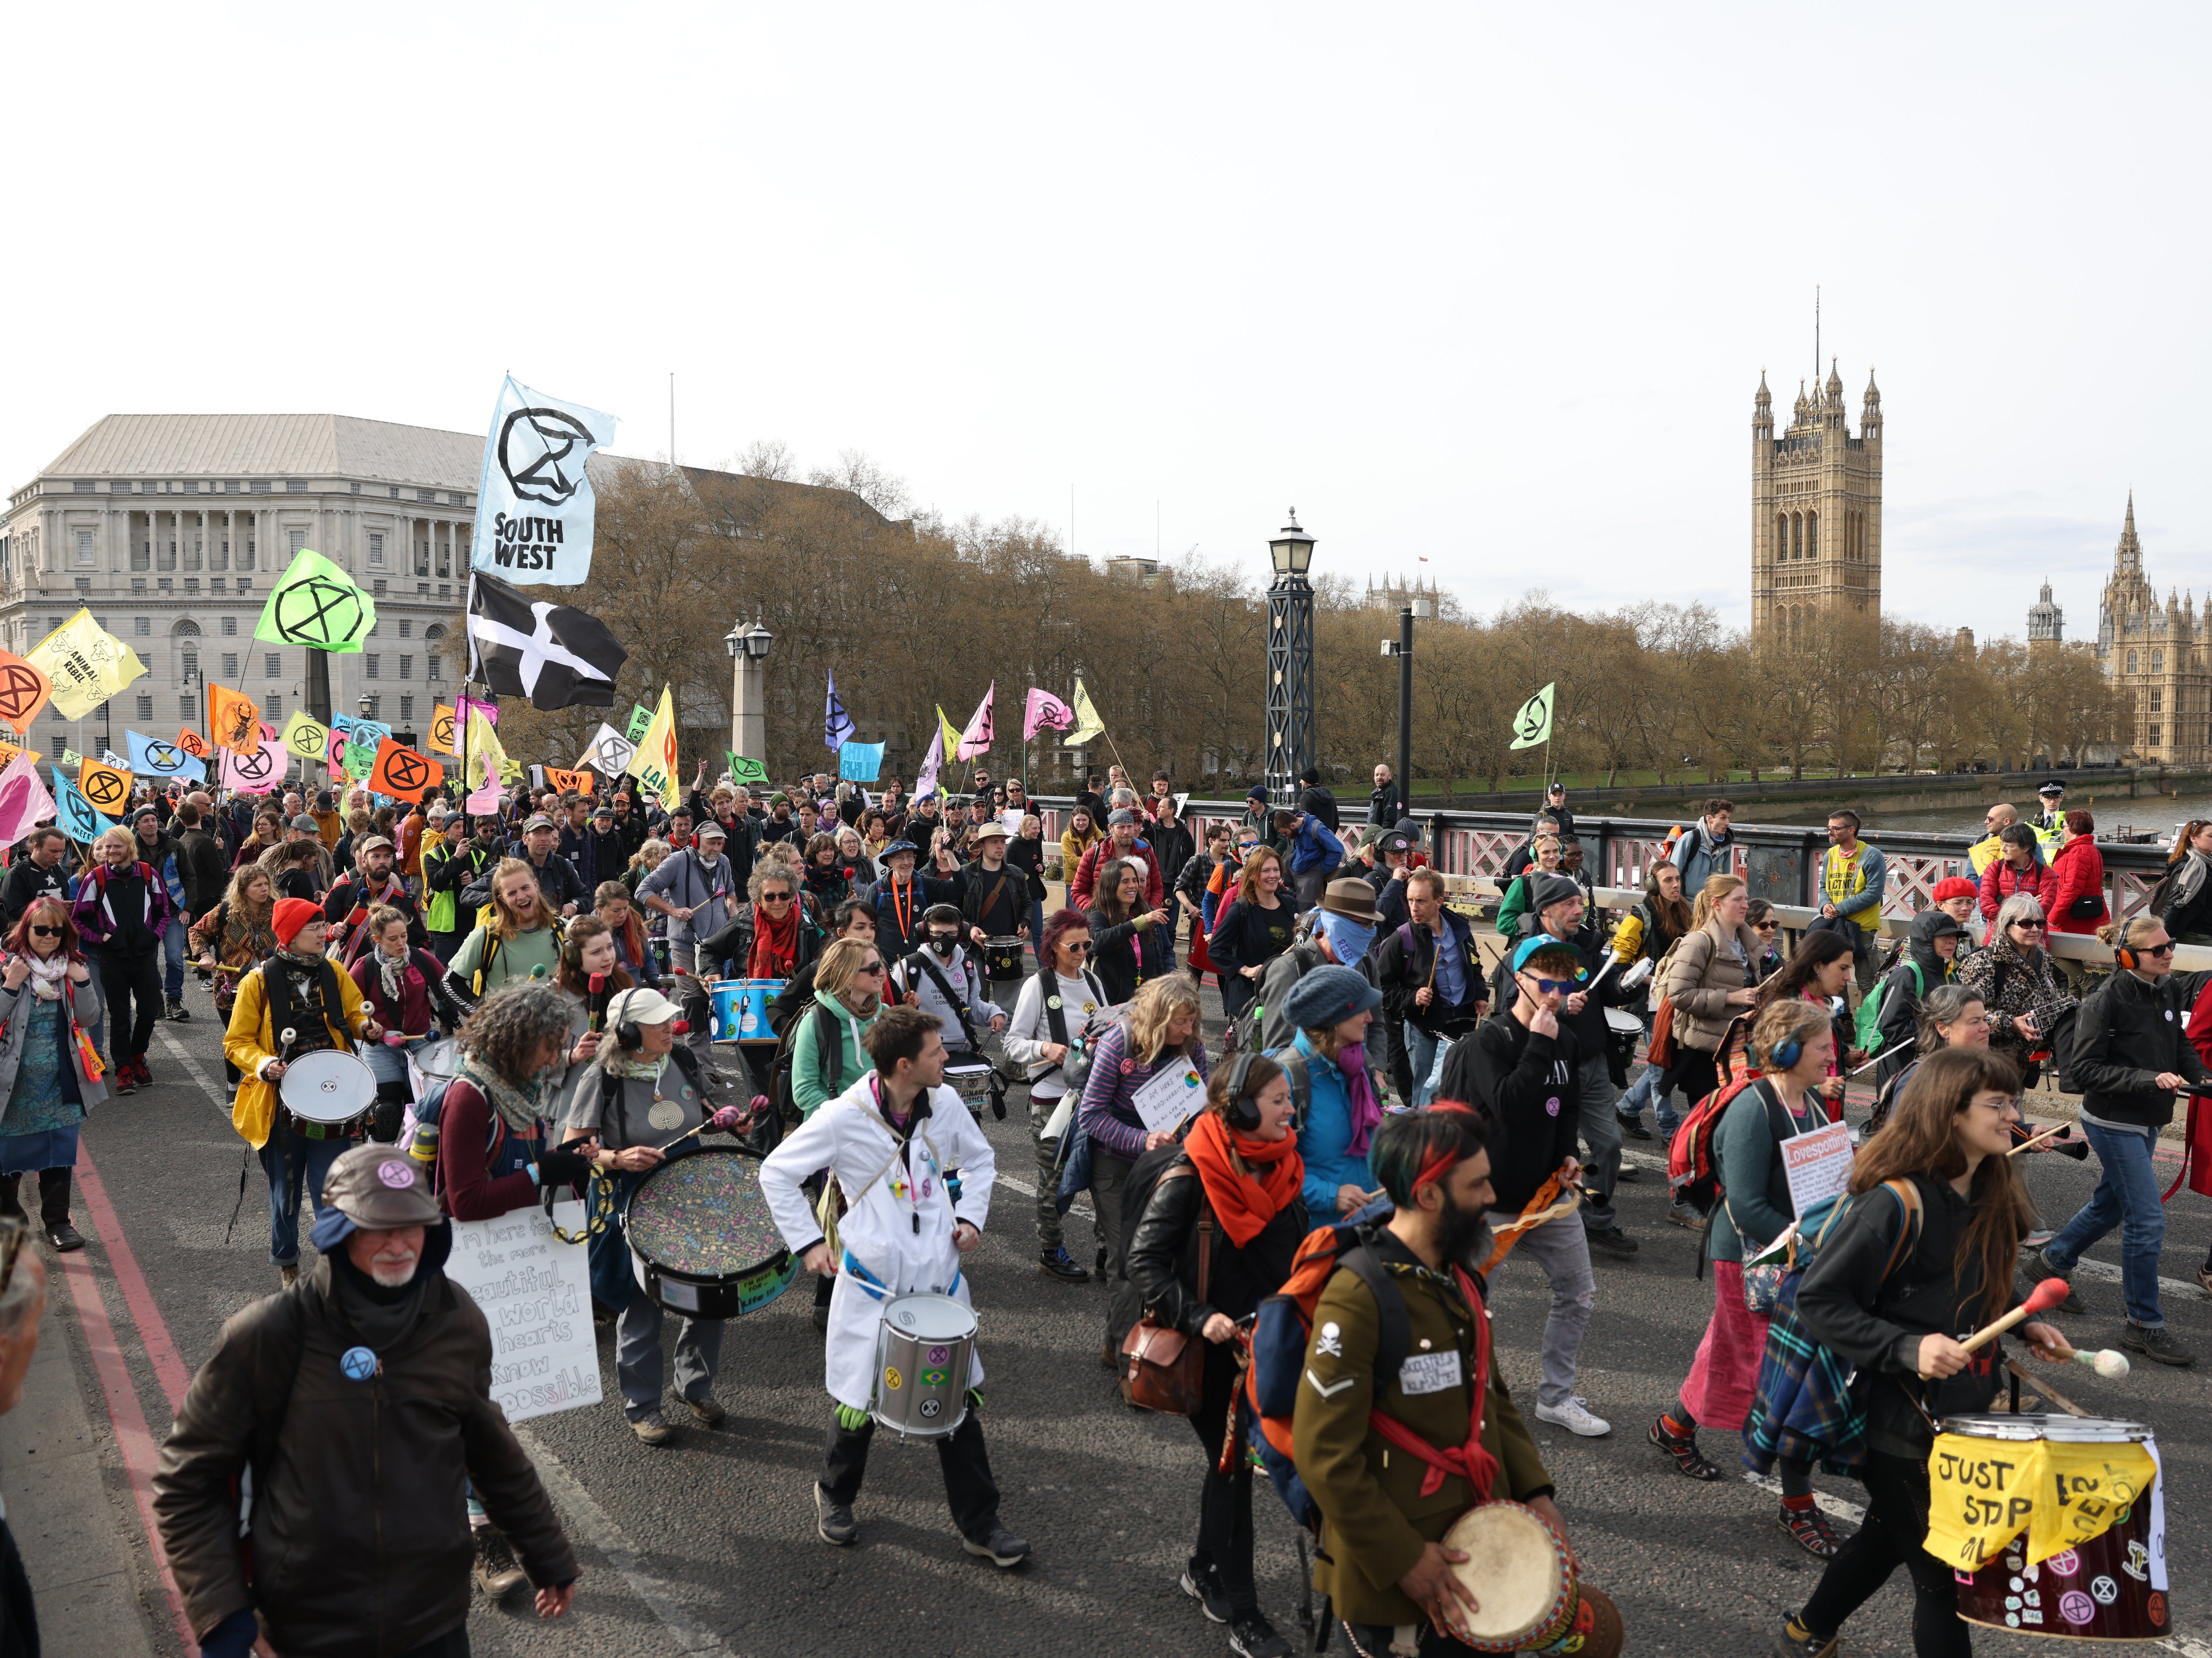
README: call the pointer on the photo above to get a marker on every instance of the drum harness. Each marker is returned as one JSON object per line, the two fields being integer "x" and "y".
{"x": 599, "y": 1203}
{"x": 287, "y": 1047}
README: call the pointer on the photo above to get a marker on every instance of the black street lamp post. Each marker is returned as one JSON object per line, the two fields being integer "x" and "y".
{"x": 1290, "y": 662}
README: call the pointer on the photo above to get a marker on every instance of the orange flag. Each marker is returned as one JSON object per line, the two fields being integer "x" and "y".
{"x": 107, "y": 787}
{"x": 193, "y": 743}
{"x": 570, "y": 782}
{"x": 24, "y": 690}
{"x": 402, "y": 773}
{"x": 235, "y": 720}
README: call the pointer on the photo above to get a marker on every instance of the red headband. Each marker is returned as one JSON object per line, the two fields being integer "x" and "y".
{"x": 1443, "y": 1162}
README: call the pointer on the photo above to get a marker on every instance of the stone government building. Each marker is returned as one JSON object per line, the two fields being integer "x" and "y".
{"x": 1815, "y": 510}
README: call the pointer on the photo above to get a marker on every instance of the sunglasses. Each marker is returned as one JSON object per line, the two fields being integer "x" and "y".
{"x": 2028, "y": 926}
{"x": 775, "y": 898}
{"x": 871, "y": 968}
{"x": 1546, "y": 986}
{"x": 46, "y": 933}
{"x": 1765, "y": 926}
{"x": 2165, "y": 949}
{"x": 1080, "y": 946}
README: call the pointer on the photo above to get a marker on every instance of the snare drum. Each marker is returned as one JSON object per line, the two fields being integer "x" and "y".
{"x": 924, "y": 1353}
{"x": 701, "y": 1241}
{"x": 739, "y": 1010}
{"x": 1622, "y": 1029}
{"x": 2110, "y": 1588}
{"x": 1529, "y": 1600}
{"x": 1002, "y": 959}
{"x": 972, "y": 1083}
{"x": 325, "y": 1091}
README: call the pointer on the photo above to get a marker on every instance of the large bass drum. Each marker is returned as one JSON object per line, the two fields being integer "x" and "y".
{"x": 701, "y": 1240}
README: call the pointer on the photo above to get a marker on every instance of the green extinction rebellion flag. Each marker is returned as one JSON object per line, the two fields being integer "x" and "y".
{"x": 744, "y": 771}
{"x": 1532, "y": 722}
{"x": 315, "y": 603}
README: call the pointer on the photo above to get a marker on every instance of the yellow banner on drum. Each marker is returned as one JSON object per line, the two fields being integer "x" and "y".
{"x": 1984, "y": 1492}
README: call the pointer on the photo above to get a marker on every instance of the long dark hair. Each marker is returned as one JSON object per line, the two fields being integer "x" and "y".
{"x": 1671, "y": 915}
{"x": 1106, "y": 895}
{"x": 1921, "y": 1137}
{"x": 1814, "y": 950}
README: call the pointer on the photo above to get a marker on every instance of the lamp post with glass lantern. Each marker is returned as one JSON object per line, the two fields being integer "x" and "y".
{"x": 748, "y": 644}
{"x": 1290, "y": 662}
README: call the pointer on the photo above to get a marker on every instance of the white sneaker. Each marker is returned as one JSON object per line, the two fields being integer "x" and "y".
{"x": 1576, "y": 1418}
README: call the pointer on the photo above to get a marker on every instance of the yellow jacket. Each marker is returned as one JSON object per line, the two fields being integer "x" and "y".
{"x": 249, "y": 1042}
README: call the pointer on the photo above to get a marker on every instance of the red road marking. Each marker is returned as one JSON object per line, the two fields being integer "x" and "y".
{"x": 153, "y": 1330}
{"x": 132, "y": 1437}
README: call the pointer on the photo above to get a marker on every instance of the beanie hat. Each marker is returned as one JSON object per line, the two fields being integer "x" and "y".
{"x": 1328, "y": 996}
{"x": 291, "y": 915}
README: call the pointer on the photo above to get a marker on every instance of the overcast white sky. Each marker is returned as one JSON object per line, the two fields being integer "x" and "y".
{"x": 1490, "y": 284}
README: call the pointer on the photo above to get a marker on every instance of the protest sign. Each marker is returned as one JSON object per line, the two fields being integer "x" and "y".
{"x": 535, "y": 1293}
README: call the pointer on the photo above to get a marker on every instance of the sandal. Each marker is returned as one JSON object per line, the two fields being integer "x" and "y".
{"x": 1810, "y": 1529}
{"x": 1683, "y": 1449}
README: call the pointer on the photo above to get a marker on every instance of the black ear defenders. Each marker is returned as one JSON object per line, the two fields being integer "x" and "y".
{"x": 627, "y": 1035}
{"x": 1242, "y": 1113}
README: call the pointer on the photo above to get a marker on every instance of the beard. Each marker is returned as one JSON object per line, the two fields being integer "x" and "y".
{"x": 1465, "y": 1238}
{"x": 392, "y": 1275}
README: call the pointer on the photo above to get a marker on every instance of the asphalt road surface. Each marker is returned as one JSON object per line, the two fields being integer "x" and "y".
{"x": 708, "y": 1545}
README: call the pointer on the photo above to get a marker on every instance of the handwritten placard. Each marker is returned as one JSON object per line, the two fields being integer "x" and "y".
{"x": 1819, "y": 1165}
{"x": 535, "y": 1294}
{"x": 1164, "y": 1103}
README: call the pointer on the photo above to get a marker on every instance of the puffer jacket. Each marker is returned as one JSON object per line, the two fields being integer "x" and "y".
{"x": 2002, "y": 879}
{"x": 385, "y": 1569}
{"x": 2010, "y": 984}
{"x": 2077, "y": 871}
{"x": 1698, "y": 981}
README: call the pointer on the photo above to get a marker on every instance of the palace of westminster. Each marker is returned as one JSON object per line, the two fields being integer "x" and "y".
{"x": 1816, "y": 545}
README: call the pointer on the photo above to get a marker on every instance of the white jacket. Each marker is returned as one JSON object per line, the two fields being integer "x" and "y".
{"x": 885, "y": 1253}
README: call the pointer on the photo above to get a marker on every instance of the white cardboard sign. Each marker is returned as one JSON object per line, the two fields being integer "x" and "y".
{"x": 1164, "y": 1103}
{"x": 1817, "y": 1164}
{"x": 535, "y": 1293}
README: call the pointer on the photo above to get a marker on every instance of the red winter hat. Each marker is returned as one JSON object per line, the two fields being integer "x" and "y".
{"x": 1954, "y": 886}
{"x": 292, "y": 914}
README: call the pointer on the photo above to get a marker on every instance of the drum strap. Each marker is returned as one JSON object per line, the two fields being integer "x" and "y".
{"x": 1470, "y": 1461}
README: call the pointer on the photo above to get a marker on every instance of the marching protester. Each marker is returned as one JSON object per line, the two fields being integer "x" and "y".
{"x": 618, "y": 1099}
{"x": 994, "y": 906}
{"x": 2130, "y": 1052}
{"x": 2014, "y": 981}
{"x": 374, "y": 884}
{"x": 157, "y": 850}
{"x": 1130, "y": 944}
{"x": 1792, "y": 1044}
{"x": 1429, "y": 971}
{"x": 440, "y": 901}
{"x": 1250, "y": 931}
{"x": 295, "y": 1002}
{"x": 2185, "y": 905}
{"x": 903, "y": 898}
{"x": 1191, "y": 893}
{"x": 1172, "y": 843}
{"x": 1647, "y": 933}
{"x": 1044, "y": 1036}
{"x": 234, "y": 937}
{"x": 1459, "y": 1437}
{"x": 557, "y": 885}
{"x": 1386, "y": 864}
{"x": 1338, "y": 930}
{"x": 899, "y": 1235}
{"x": 1546, "y": 827}
{"x": 267, "y": 835}
{"x": 1709, "y": 984}
{"x": 1952, "y": 1218}
{"x": 1522, "y": 1071}
{"x": 1081, "y": 835}
{"x": 1950, "y": 1016}
{"x": 1818, "y": 973}
{"x": 297, "y": 866}
{"x": 632, "y": 950}
{"x": 1159, "y": 1027}
{"x": 379, "y": 1288}
{"x": 1122, "y": 844}
{"x": 1025, "y": 853}
{"x": 1238, "y": 1175}
{"x": 1338, "y": 1094}
{"x": 122, "y": 913}
{"x": 770, "y": 937}
{"x": 2018, "y": 867}
{"x": 48, "y": 1088}
{"x": 522, "y": 939}
{"x": 1930, "y": 959}
{"x": 1543, "y": 859}
{"x": 1959, "y": 898}
{"x": 37, "y": 873}
{"x": 405, "y": 988}
{"x": 1853, "y": 876}
{"x": 1707, "y": 848}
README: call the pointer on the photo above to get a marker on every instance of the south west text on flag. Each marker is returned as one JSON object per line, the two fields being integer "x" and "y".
{"x": 535, "y": 509}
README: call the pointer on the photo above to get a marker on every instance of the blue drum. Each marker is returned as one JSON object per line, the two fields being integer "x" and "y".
{"x": 739, "y": 1010}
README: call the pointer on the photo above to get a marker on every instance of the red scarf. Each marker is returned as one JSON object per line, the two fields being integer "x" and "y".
{"x": 775, "y": 945}
{"x": 1244, "y": 1201}
{"x": 1471, "y": 1462}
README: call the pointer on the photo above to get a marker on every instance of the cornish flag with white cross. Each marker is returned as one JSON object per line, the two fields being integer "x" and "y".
{"x": 554, "y": 654}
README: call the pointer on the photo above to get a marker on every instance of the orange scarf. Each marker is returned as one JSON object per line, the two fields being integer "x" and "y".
{"x": 1244, "y": 1199}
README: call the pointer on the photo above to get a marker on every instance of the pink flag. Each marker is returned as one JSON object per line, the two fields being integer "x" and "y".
{"x": 976, "y": 739}
{"x": 256, "y": 773}
{"x": 1045, "y": 712}
{"x": 932, "y": 762}
{"x": 23, "y": 799}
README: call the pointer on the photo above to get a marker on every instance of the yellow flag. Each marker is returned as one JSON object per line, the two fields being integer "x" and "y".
{"x": 488, "y": 761}
{"x": 1088, "y": 724}
{"x": 653, "y": 765}
{"x": 87, "y": 664}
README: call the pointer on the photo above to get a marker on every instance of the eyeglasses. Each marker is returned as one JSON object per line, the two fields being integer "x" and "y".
{"x": 2007, "y": 1107}
{"x": 46, "y": 933}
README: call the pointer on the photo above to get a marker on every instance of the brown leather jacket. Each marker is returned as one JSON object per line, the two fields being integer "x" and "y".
{"x": 361, "y": 1533}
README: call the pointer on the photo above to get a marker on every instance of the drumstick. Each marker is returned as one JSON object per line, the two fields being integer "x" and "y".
{"x": 2055, "y": 1128}
{"x": 2047, "y": 1293}
{"x": 2110, "y": 1364}
{"x": 1879, "y": 1058}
